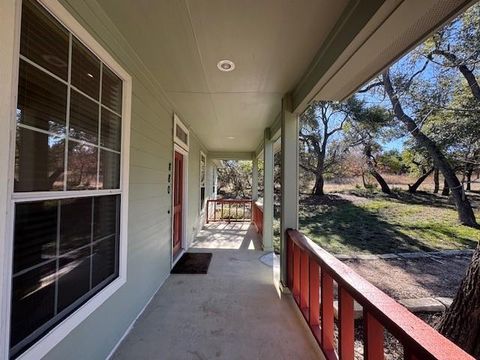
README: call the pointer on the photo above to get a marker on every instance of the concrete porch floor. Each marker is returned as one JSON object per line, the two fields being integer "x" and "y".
{"x": 233, "y": 312}
{"x": 222, "y": 235}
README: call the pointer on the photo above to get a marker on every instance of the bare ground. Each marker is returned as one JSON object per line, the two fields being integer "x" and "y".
{"x": 414, "y": 278}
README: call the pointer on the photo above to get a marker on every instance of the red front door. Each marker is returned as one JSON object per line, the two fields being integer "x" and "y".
{"x": 177, "y": 204}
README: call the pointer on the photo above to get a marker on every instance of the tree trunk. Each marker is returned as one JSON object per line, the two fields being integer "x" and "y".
{"x": 436, "y": 181}
{"x": 381, "y": 181}
{"x": 461, "y": 322}
{"x": 318, "y": 188}
{"x": 464, "y": 208}
{"x": 371, "y": 169}
{"x": 446, "y": 189}
{"x": 364, "y": 181}
{"x": 469, "y": 179}
{"x": 413, "y": 188}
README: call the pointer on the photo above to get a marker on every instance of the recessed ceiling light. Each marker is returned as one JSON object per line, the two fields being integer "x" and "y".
{"x": 230, "y": 137}
{"x": 225, "y": 65}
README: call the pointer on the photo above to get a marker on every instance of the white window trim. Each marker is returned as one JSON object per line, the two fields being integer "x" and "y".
{"x": 176, "y": 139}
{"x": 59, "y": 332}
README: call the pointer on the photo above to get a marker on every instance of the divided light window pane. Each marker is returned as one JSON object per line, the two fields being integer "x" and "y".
{"x": 83, "y": 118}
{"x": 43, "y": 39}
{"x": 42, "y": 100}
{"x": 82, "y": 166}
{"x": 106, "y": 213}
{"x": 35, "y": 233}
{"x": 111, "y": 90}
{"x": 111, "y": 132}
{"x": 85, "y": 70}
{"x": 109, "y": 170}
{"x": 104, "y": 260}
{"x": 73, "y": 277}
{"x": 39, "y": 161}
{"x": 75, "y": 223}
{"x": 33, "y": 301}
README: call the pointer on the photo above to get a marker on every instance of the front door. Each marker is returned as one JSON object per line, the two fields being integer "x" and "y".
{"x": 177, "y": 204}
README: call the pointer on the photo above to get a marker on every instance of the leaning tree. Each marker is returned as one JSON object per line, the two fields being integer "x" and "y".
{"x": 416, "y": 93}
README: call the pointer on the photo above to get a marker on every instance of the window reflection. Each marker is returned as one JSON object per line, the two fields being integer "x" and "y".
{"x": 83, "y": 118}
{"x": 42, "y": 100}
{"x": 111, "y": 132}
{"x": 109, "y": 170}
{"x": 39, "y": 161}
{"x": 82, "y": 166}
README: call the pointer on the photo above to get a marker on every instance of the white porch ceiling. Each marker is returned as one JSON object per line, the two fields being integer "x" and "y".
{"x": 271, "y": 42}
{"x": 274, "y": 43}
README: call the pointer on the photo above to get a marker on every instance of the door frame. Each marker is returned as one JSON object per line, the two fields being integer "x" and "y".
{"x": 184, "y": 246}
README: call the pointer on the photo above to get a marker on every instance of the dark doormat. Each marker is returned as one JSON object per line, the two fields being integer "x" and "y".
{"x": 192, "y": 263}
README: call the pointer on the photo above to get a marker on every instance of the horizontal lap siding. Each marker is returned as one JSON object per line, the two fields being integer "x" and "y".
{"x": 149, "y": 233}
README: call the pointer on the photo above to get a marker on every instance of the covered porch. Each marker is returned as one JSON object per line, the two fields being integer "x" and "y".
{"x": 209, "y": 81}
{"x": 233, "y": 312}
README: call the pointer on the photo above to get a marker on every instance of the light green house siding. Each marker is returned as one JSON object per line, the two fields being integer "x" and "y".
{"x": 149, "y": 235}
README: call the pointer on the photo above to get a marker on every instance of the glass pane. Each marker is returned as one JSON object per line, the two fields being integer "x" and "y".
{"x": 42, "y": 100}
{"x": 104, "y": 254}
{"x": 85, "y": 70}
{"x": 35, "y": 237}
{"x": 82, "y": 166}
{"x": 83, "y": 118}
{"x": 107, "y": 210}
{"x": 75, "y": 223}
{"x": 111, "y": 133}
{"x": 73, "y": 277}
{"x": 111, "y": 90}
{"x": 39, "y": 161}
{"x": 43, "y": 39}
{"x": 33, "y": 301}
{"x": 109, "y": 170}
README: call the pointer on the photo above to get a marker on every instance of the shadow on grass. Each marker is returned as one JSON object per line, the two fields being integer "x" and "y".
{"x": 417, "y": 198}
{"x": 340, "y": 226}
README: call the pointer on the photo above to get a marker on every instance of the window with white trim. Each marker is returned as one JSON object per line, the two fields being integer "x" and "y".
{"x": 67, "y": 177}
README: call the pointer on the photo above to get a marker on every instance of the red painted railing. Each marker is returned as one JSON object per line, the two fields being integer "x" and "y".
{"x": 257, "y": 217}
{"x": 230, "y": 210}
{"x": 311, "y": 273}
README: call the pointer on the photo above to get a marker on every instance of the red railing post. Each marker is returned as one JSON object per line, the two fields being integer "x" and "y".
{"x": 313, "y": 293}
{"x": 208, "y": 211}
{"x": 346, "y": 325}
{"x": 374, "y": 337}
{"x": 296, "y": 273}
{"x": 290, "y": 250}
{"x": 326, "y": 314}
{"x": 304, "y": 288}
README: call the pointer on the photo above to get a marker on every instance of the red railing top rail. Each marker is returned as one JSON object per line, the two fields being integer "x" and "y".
{"x": 417, "y": 336}
{"x": 230, "y": 200}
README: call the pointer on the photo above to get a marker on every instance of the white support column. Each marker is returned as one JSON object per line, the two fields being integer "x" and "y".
{"x": 254, "y": 177}
{"x": 268, "y": 192}
{"x": 289, "y": 179}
